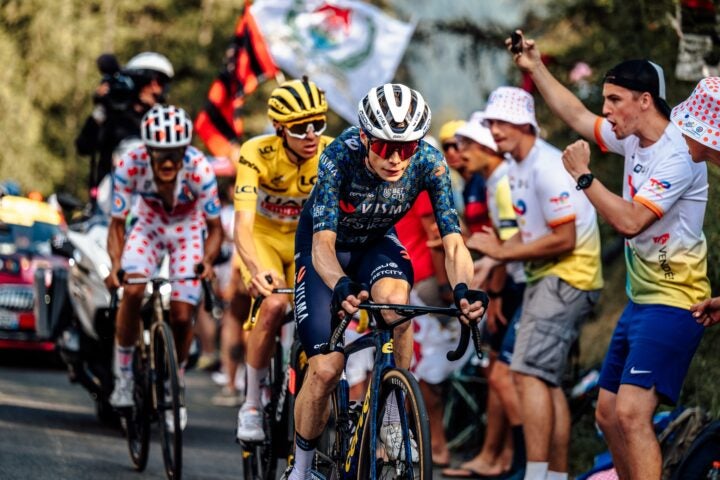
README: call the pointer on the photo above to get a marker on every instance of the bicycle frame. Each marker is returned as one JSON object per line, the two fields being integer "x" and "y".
{"x": 346, "y": 449}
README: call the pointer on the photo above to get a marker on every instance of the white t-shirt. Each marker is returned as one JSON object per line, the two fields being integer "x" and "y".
{"x": 544, "y": 197}
{"x": 502, "y": 215}
{"x": 667, "y": 263}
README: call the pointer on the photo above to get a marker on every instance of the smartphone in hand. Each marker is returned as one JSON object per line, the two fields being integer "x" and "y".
{"x": 515, "y": 42}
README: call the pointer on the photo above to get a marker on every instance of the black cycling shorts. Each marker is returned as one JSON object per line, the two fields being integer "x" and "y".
{"x": 386, "y": 258}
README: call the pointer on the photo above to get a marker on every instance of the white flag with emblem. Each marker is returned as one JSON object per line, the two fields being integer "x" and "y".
{"x": 345, "y": 46}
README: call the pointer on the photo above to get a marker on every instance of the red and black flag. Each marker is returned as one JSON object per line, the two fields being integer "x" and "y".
{"x": 247, "y": 63}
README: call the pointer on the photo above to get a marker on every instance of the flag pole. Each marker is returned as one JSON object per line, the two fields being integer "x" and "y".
{"x": 279, "y": 76}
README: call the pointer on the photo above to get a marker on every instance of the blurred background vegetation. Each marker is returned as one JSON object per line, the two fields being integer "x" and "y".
{"x": 48, "y": 74}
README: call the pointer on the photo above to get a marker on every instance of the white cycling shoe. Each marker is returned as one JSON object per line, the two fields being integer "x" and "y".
{"x": 170, "y": 424}
{"x": 392, "y": 438}
{"x": 122, "y": 394}
{"x": 250, "y": 424}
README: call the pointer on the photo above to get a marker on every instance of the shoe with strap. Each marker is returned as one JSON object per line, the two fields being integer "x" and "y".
{"x": 122, "y": 394}
{"x": 250, "y": 424}
{"x": 314, "y": 475}
{"x": 392, "y": 438}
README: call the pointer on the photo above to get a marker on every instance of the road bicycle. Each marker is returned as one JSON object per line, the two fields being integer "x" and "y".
{"x": 354, "y": 451}
{"x": 157, "y": 389}
{"x": 260, "y": 459}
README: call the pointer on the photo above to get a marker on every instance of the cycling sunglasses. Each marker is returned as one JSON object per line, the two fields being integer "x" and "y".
{"x": 159, "y": 155}
{"x": 302, "y": 128}
{"x": 385, "y": 149}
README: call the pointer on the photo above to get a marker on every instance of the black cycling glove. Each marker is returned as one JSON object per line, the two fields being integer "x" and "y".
{"x": 343, "y": 289}
{"x": 461, "y": 291}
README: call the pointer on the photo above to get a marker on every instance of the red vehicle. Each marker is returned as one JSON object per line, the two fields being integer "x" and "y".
{"x": 26, "y": 230}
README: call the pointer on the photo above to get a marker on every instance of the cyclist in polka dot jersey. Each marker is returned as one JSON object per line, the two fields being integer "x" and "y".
{"x": 178, "y": 201}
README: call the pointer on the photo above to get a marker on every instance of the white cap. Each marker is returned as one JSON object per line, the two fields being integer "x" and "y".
{"x": 475, "y": 130}
{"x": 513, "y": 105}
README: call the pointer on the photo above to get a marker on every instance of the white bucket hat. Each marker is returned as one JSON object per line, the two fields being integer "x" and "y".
{"x": 513, "y": 105}
{"x": 698, "y": 116}
{"x": 475, "y": 130}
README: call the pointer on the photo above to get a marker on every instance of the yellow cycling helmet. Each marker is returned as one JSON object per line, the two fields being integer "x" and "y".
{"x": 447, "y": 131}
{"x": 296, "y": 99}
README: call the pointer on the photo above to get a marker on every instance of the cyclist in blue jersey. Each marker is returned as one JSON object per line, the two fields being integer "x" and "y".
{"x": 346, "y": 248}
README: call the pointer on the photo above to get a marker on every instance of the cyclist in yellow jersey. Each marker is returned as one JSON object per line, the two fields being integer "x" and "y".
{"x": 275, "y": 174}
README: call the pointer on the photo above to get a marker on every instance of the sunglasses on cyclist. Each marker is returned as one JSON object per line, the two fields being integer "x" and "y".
{"x": 385, "y": 149}
{"x": 301, "y": 129}
{"x": 159, "y": 155}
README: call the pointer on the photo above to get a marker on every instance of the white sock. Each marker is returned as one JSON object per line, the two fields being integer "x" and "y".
{"x": 252, "y": 393}
{"x": 556, "y": 475}
{"x": 536, "y": 471}
{"x": 124, "y": 361}
{"x": 302, "y": 465}
{"x": 392, "y": 414}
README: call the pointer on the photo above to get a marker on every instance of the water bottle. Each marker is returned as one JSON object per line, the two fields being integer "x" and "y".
{"x": 714, "y": 473}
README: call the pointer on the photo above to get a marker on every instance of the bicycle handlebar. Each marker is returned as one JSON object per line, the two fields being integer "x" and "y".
{"x": 210, "y": 303}
{"x": 259, "y": 299}
{"x": 407, "y": 312}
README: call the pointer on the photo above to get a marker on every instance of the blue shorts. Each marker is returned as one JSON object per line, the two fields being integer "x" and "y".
{"x": 508, "y": 344}
{"x": 512, "y": 296}
{"x": 652, "y": 345}
{"x": 386, "y": 258}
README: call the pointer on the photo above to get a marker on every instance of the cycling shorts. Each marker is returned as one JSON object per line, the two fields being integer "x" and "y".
{"x": 652, "y": 345}
{"x": 386, "y": 258}
{"x": 149, "y": 241}
{"x": 274, "y": 252}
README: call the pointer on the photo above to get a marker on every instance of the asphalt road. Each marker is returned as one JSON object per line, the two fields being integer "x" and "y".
{"x": 48, "y": 429}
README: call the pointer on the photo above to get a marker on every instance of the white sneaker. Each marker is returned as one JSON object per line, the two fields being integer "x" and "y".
{"x": 392, "y": 438}
{"x": 313, "y": 474}
{"x": 122, "y": 395}
{"x": 250, "y": 424}
{"x": 170, "y": 424}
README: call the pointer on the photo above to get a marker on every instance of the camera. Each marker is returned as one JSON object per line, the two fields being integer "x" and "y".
{"x": 122, "y": 92}
{"x": 122, "y": 89}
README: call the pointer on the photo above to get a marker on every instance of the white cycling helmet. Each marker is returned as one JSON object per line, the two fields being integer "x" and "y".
{"x": 151, "y": 61}
{"x": 394, "y": 112}
{"x": 166, "y": 126}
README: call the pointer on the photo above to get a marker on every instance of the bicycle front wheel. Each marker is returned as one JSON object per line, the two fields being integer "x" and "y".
{"x": 137, "y": 421}
{"x": 401, "y": 412}
{"x": 260, "y": 458}
{"x": 167, "y": 399}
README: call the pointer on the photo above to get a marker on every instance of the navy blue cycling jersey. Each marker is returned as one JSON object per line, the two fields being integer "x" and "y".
{"x": 359, "y": 206}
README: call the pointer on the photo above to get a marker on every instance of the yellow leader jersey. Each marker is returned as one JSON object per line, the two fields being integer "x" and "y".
{"x": 271, "y": 185}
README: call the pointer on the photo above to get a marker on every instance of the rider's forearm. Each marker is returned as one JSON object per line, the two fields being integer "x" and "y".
{"x": 324, "y": 258}
{"x": 244, "y": 242}
{"x": 213, "y": 241}
{"x": 458, "y": 262}
{"x": 116, "y": 241}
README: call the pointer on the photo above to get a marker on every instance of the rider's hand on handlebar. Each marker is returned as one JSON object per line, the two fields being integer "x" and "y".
{"x": 264, "y": 282}
{"x": 472, "y": 303}
{"x": 112, "y": 282}
{"x": 205, "y": 270}
{"x": 347, "y": 296}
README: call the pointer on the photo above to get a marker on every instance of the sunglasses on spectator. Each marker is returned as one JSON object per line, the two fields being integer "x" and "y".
{"x": 302, "y": 128}
{"x": 159, "y": 155}
{"x": 448, "y": 145}
{"x": 385, "y": 149}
